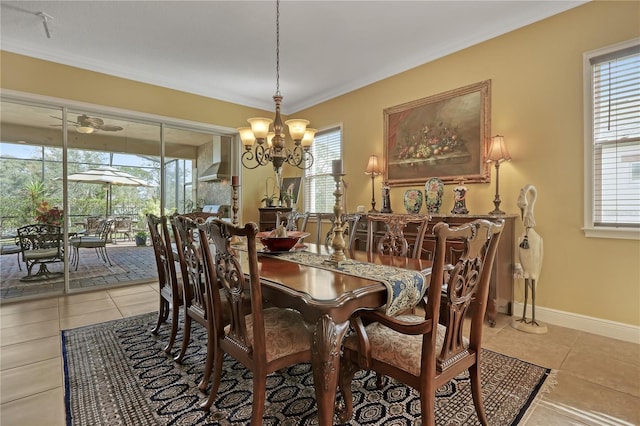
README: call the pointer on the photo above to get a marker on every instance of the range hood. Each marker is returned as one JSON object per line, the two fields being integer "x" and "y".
{"x": 219, "y": 153}
{"x": 215, "y": 172}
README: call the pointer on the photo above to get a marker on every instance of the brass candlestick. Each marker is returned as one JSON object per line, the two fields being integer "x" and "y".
{"x": 234, "y": 208}
{"x": 337, "y": 243}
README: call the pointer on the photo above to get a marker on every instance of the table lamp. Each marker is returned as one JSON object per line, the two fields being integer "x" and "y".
{"x": 374, "y": 170}
{"x": 497, "y": 154}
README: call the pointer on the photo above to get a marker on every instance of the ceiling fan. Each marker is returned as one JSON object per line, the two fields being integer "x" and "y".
{"x": 86, "y": 124}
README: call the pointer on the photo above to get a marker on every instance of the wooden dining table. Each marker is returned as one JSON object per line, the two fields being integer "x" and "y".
{"x": 327, "y": 299}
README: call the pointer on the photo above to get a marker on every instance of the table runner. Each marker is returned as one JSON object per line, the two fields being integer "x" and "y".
{"x": 405, "y": 288}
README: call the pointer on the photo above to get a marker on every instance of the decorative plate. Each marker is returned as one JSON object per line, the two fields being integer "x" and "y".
{"x": 433, "y": 190}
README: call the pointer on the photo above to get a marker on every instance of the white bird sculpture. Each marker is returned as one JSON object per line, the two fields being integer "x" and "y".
{"x": 530, "y": 253}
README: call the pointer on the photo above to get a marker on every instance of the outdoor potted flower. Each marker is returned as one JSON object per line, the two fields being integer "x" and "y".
{"x": 141, "y": 238}
{"x": 49, "y": 215}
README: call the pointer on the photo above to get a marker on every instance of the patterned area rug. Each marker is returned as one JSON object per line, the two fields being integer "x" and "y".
{"x": 117, "y": 374}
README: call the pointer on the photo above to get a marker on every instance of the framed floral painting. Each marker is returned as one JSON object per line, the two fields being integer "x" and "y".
{"x": 444, "y": 136}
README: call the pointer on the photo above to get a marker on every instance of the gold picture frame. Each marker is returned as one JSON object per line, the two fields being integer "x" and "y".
{"x": 444, "y": 136}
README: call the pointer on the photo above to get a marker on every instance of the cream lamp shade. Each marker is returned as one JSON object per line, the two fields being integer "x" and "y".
{"x": 372, "y": 166}
{"x": 498, "y": 150}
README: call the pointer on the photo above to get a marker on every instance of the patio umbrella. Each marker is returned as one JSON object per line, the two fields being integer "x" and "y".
{"x": 107, "y": 175}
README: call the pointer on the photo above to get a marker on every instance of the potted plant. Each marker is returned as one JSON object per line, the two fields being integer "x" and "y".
{"x": 269, "y": 196}
{"x": 49, "y": 215}
{"x": 141, "y": 238}
{"x": 268, "y": 200}
{"x": 287, "y": 199}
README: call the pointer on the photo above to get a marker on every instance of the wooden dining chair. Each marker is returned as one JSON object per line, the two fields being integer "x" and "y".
{"x": 291, "y": 220}
{"x": 417, "y": 350}
{"x": 170, "y": 287}
{"x": 350, "y": 220}
{"x": 263, "y": 340}
{"x": 194, "y": 292}
{"x": 393, "y": 240}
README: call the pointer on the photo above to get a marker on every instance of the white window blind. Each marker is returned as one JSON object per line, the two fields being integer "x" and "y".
{"x": 616, "y": 138}
{"x": 318, "y": 182}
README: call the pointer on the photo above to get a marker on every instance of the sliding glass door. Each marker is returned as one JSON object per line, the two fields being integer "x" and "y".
{"x": 113, "y": 180}
{"x": 30, "y": 187}
{"x": 118, "y": 168}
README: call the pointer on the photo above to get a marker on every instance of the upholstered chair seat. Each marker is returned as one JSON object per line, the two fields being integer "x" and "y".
{"x": 284, "y": 330}
{"x": 402, "y": 350}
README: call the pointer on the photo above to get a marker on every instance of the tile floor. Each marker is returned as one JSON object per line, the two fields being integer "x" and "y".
{"x": 598, "y": 380}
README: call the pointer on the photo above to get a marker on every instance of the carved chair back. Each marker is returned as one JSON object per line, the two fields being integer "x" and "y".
{"x": 350, "y": 220}
{"x": 291, "y": 220}
{"x": 393, "y": 240}
{"x": 170, "y": 288}
{"x": 186, "y": 237}
{"x": 224, "y": 269}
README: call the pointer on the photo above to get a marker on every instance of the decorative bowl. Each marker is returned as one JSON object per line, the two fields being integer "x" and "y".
{"x": 275, "y": 244}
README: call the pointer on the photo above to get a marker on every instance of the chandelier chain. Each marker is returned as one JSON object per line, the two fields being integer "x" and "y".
{"x": 263, "y": 147}
{"x": 277, "y": 47}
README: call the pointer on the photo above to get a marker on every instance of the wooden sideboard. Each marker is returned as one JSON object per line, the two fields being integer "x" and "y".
{"x": 501, "y": 290}
{"x": 268, "y": 217}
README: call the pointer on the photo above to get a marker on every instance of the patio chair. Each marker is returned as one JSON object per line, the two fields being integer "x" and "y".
{"x": 40, "y": 244}
{"x": 122, "y": 225}
{"x": 91, "y": 224}
{"x": 97, "y": 242}
{"x": 12, "y": 248}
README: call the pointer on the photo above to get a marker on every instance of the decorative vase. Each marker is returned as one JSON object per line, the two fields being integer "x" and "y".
{"x": 433, "y": 191}
{"x": 386, "y": 199}
{"x": 413, "y": 201}
{"x": 459, "y": 203}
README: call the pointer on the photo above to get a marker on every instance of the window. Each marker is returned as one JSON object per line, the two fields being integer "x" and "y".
{"x": 612, "y": 141}
{"x": 318, "y": 180}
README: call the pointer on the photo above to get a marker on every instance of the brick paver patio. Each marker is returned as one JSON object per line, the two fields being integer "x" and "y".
{"x": 130, "y": 264}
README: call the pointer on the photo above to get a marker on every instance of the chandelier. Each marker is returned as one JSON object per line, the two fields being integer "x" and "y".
{"x": 263, "y": 146}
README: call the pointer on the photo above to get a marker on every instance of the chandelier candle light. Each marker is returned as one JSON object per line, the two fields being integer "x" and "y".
{"x": 262, "y": 146}
{"x": 374, "y": 170}
{"x": 497, "y": 154}
{"x": 337, "y": 243}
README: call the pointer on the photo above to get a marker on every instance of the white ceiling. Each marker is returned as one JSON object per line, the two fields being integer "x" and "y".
{"x": 226, "y": 49}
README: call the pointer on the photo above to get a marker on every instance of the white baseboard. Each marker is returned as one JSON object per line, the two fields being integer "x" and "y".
{"x": 615, "y": 330}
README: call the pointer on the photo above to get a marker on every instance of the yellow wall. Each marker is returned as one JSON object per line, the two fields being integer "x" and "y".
{"x": 537, "y": 104}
